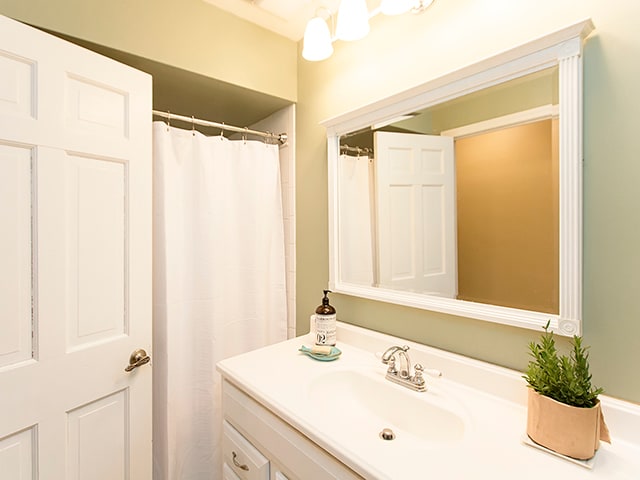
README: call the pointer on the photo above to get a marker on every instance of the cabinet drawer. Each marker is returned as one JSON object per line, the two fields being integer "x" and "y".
{"x": 227, "y": 473}
{"x": 242, "y": 457}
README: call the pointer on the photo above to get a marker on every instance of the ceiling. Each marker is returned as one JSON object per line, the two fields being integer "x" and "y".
{"x": 285, "y": 17}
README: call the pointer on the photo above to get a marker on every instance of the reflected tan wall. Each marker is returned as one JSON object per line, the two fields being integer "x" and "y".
{"x": 507, "y": 197}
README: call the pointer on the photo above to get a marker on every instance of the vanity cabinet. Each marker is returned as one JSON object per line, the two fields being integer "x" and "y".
{"x": 241, "y": 456}
{"x": 268, "y": 447}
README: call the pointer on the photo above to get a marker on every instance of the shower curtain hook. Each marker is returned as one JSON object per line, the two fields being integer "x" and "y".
{"x": 244, "y": 135}
{"x": 168, "y": 120}
{"x": 193, "y": 126}
{"x": 222, "y": 132}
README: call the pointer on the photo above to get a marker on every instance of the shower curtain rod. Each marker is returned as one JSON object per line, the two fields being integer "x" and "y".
{"x": 358, "y": 150}
{"x": 281, "y": 137}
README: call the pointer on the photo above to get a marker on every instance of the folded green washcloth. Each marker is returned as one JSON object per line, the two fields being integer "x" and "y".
{"x": 323, "y": 353}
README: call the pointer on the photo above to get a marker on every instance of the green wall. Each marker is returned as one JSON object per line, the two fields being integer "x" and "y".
{"x": 401, "y": 52}
{"x": 189, "y": 34}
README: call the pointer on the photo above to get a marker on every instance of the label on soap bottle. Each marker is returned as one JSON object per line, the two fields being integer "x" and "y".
{"x": 325, "y": 327}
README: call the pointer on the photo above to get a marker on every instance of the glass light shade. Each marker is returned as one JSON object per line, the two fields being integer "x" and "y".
{"x": 396, "y": 7}
{"x": 421, "y": 5}
{"x": 353, "y": 20}
{"x": 316, "y": 45}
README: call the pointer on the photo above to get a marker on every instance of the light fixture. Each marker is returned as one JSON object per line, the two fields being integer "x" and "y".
{"x": 353, "y": 20}
{"x": 421, "y": 5}
{"x": 352, "y": 24}
{"x": 316, "y": 44}
{"x": 396, "y": 7}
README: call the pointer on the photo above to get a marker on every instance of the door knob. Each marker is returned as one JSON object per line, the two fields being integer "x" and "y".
{"x": 137, "y": 359}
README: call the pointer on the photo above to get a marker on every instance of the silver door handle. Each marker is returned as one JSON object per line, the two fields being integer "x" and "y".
{"x": 137, "y": 359}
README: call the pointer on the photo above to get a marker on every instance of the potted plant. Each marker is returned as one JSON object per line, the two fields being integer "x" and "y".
{"x": 563, "y": 410}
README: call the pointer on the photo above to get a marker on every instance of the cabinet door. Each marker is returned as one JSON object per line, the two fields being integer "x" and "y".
{"x": 241, "y": 456}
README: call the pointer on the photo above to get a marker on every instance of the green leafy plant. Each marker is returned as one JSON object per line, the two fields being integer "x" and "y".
{"x": 564, "y": 378}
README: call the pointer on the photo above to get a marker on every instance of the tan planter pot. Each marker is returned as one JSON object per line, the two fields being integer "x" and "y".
{"x": 572, "y": 431}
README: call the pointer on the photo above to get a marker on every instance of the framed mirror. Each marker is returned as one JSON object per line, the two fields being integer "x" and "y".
{"x": 464, "y": 194}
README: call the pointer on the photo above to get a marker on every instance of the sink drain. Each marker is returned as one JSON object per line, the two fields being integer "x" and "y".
{"x": 387, "y": 434}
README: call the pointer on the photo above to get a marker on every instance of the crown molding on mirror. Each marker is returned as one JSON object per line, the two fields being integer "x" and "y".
{"x": 563, "y": 49}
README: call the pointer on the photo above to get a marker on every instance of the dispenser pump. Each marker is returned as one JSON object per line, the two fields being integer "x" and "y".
{"x": 325, "y": 308}
{"x": 325, "y": 322}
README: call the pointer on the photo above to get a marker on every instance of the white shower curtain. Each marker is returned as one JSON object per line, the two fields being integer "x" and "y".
{"x": 219, "y": 284}
{"x": 355, "y": 220}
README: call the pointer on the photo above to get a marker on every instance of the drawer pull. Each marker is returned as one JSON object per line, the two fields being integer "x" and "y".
{"x": 237, "y": 463}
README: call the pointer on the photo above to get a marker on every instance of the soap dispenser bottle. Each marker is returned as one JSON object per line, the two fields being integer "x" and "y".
{"x": 325, "y": 322}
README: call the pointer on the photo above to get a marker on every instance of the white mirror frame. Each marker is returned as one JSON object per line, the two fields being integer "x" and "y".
{"x": 562, "y": 48}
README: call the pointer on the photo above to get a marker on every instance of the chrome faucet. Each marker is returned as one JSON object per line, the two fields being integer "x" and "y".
{"x": 389, "y": 358}
{"x": 403, "y": 375}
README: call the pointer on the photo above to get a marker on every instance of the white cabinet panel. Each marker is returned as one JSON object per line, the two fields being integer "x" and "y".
{"x": 17, "y": 455}
{"x": 96, "y": 108}
{"x": 16, "y": 86}
{"x": 15, "y": 255}
{"x": 433, "y": 225}
{"x": 400, "y": 231}
{"x": 96, "y": 244}
{"x": 97, "y": 439}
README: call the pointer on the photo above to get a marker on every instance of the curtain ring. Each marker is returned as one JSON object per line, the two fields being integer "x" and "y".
{"x": 244, "y": 135}
{"x": 222, "y": 132}
{"x": 168, "y": 120}
{"x": 193, "y": 126}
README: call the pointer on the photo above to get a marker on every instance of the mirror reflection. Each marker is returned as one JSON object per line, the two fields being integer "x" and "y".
{"x": 458, "y": 200}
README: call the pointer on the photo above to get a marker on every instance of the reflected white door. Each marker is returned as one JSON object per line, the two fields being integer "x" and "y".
{"x": 415, "y": 201}
{"x": 75, "y": 261}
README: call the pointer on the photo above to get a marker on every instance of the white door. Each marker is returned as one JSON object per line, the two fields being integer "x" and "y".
{"x": 75, "y": 261}
{"x": 415, "y": 201}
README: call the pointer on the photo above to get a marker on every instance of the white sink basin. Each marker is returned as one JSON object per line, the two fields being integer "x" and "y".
{"x": 362, "y": 403}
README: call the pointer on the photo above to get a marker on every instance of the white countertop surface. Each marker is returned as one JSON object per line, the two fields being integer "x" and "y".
{"x": 490, "y": 400}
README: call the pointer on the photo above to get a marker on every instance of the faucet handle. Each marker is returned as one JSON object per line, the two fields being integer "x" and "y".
{"x": 418, "y": 378}
{"x": 392, "y": 366}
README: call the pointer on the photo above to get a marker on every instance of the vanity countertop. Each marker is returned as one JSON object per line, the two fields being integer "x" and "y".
{"x": 489, "y": 400}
